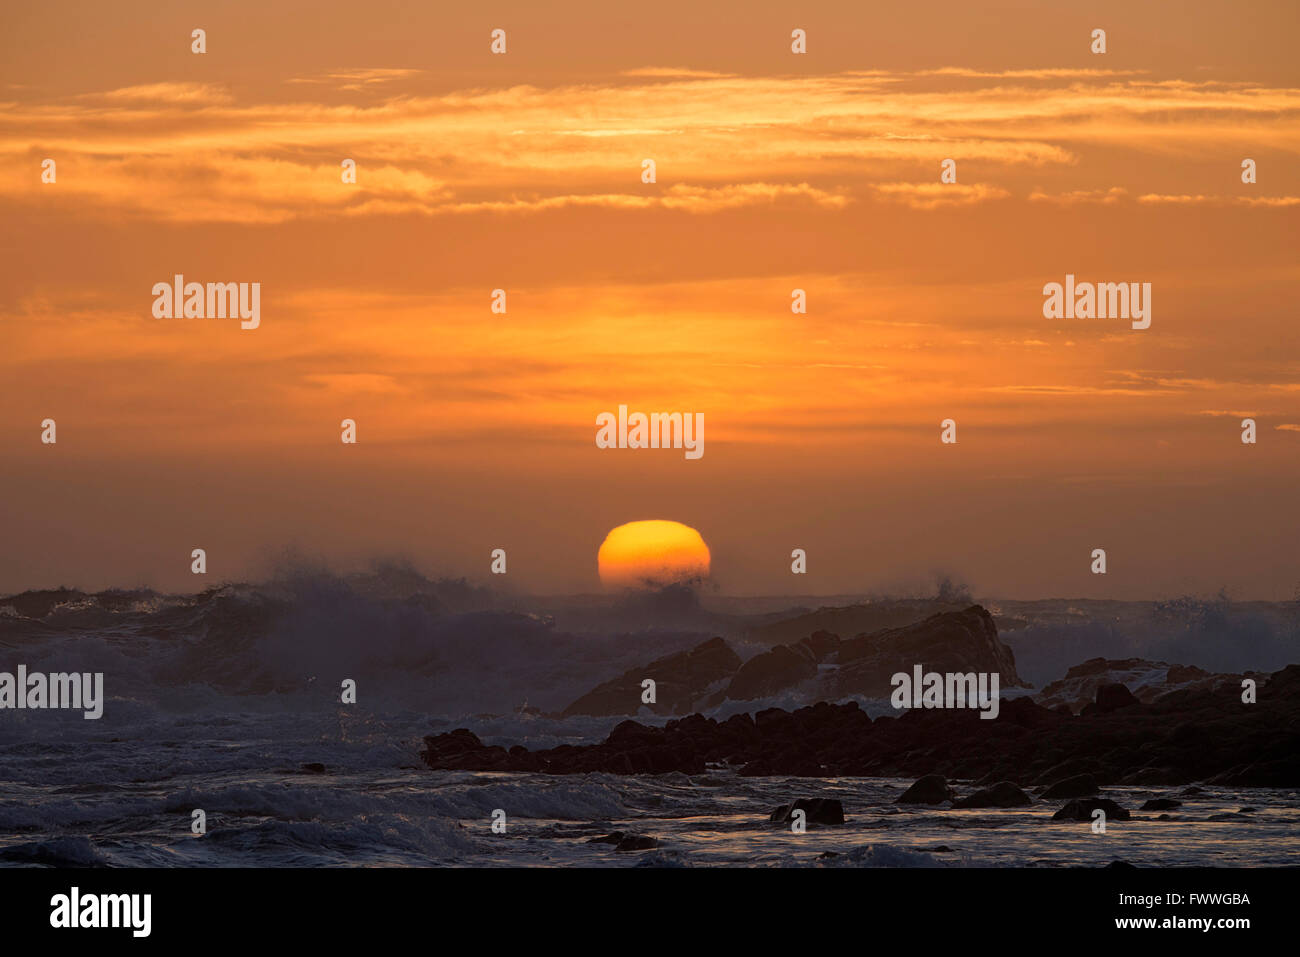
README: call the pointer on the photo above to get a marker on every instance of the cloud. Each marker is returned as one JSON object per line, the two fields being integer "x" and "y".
{"x": 357, "y": 79}
{"x": 1105, "y": 197}
{"x": 934, "y": 195}
{"x": 164, "y": 93}
{"x": 674, "y": 73}
{"x": 1201, "y": 200}
{"x": 720, "y": 140}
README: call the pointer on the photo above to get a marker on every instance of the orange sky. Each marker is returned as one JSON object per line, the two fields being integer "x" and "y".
{"x": 775, "y": 171}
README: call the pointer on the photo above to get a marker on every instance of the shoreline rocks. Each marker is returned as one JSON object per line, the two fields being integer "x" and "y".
{"x": 1203, "y": 735}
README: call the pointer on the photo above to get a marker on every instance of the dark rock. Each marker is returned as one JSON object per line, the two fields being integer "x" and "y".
{"x": 313, "y": 767}
{"x": 623, "y": 841}
{"x": 770, "y": 672}
{"x": 637, "y": 842}
{"x": 1111, "y": 698}
{"x": 1002, "y": 794}
{"x": 680, "y": 680}
{"x": 1204, "y": 735}
{"x": 816, "y": 811}
{"x": 953, "y": 642}
{"x": 1082, "y": 808}
{"x": 1160, "y": 804}
{"x": 931, "y": 789}
{"x": 1081, "y": 785}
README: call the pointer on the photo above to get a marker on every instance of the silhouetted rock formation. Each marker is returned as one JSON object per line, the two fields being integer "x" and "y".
{"x": 773, "y": 671}
{"x": 859, "y": 619}
{"x": 680, "y": 681}
{"x": 957, "y": 641}
{"x": 952, "y": 642}
{"x": 1146, "y": 680}
{"x": 1194, "y": 735}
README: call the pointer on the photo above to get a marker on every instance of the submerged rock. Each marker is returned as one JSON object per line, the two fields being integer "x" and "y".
{"x": 931, "y": 789}
{"x": 1160, "y": 804}
{"x": 1002, "y": 794}
{"x": 816, "y": 810}
{"x": 1081, "y": 810}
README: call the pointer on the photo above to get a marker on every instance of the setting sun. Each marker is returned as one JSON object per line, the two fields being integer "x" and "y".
{"x": 651, "y": 553}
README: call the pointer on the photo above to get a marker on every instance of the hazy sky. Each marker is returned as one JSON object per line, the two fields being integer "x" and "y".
{"x": 775, "y": 171}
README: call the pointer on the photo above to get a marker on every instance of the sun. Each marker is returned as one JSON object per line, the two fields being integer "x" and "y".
{"x": 652, "y": 554}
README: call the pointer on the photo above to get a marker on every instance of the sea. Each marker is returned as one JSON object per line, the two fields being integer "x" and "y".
{"x": 229, "y": 703}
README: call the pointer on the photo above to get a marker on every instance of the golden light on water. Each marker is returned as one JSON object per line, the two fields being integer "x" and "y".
{"x": 650, "y": 553}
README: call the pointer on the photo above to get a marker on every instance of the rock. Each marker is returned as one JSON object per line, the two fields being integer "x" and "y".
{"x": 1082, "y": 808}
{"x": 313, "y": 767}
{"x": 623, "y": 841}
{"x": 1160, "y": 804}
{"x": 816, "y": 811}
{"x": 637, "y": 842}
{"x": 1111, "y": 698}
{"x": 1002, "y": 794}
{"x": 680, "y": 680}
{"x": 859, "y": 619}
{"x": 1206, "y": 735}
{"x": 770, "y": 672}
{"x": 931, "y": 789}
{"x": 1081, "y": 785}
{"x": 953, "y": 642}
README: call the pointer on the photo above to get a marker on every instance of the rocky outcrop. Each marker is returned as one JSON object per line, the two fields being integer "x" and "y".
{"x": 1205, "y": 735}
{"x": 773, "y": 671}
{"x": 859, "y": 619}
{"x": 680, "y": 681}
{"x": 952, "y": 642}
{"x": 1146, "y": 680}
{"x": 957, "y": 641}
